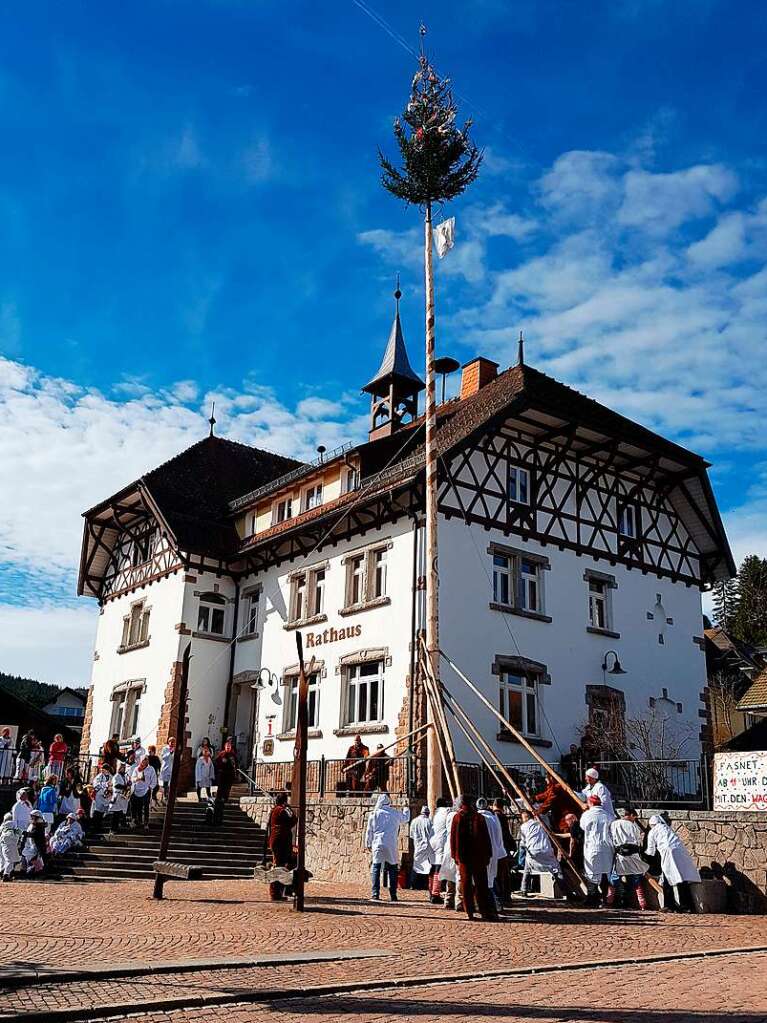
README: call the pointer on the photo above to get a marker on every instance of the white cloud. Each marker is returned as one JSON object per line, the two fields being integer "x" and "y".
{"x": 63, "y": 448}
{"x": 658, "y": 203}
{"x": 397, "y": 248}
{"x": 52, "y": 644}
{"x": 582, "y": 184}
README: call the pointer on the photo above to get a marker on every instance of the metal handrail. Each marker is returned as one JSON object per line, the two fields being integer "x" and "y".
{"x": 289, "y": 477}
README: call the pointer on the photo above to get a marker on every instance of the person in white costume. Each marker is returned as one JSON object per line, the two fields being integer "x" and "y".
{"x": 496, "y": 842}
{"x": 595, "y": 787}
{"x": 205, "y": 774}
{"x": 598, "y": 851}
{"x": 21, "y": 811}
{"x": 439, "y": 838}
{"x": 68, "y": 835}
{"x": 118, "y": 806}
{"x": 167, "y": 753}
{"x": 676, "y": 864}
{"x": 628, "y": 867}
{"x": 449, "y": 870}
{"x": 381, "y": 838}
{"x": 10, "y": 840}
{"x": 6, "y": 754}
{"x": 102, "y": 796}
{"x": 421, "y": 833}
{"x": 540, "y": 857}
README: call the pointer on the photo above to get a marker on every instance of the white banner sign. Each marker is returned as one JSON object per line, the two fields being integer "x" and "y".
{"x": 740, "y": 781}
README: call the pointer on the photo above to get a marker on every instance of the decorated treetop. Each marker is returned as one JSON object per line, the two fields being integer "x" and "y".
{"x": 439, "y": 160}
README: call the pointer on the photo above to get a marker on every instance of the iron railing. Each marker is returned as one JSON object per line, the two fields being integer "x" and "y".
{"x": 328, "y": 777}
{"x": 661, "y": 783}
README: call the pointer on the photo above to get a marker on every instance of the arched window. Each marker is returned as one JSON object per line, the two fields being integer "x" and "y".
{"x": 210, "y": 617}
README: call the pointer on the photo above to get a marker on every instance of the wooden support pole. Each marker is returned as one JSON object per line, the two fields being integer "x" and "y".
{"x": 433, "y": 767}
{"x": 499, "y": 781}
{"x": 298, "y": 784}
{"x": 445, "y": 740}
{"x": 521, "y": 794}
{"x": 170, "y": 801}
{"x": 517, "y": 735}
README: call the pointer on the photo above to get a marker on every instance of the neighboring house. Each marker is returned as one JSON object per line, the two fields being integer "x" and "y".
{"x": 68, "y": 708}
{"x": 566, "y": 531}
{"x": 732, "y": 669}
{"x": 23, "y": 717}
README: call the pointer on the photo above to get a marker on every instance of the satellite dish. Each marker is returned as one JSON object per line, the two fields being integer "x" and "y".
{"x": 445, "y": 366}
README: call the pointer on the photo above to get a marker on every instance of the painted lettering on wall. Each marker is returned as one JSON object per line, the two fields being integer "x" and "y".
{"x": 332, "y": 635}
{"x": 740, "y": 781}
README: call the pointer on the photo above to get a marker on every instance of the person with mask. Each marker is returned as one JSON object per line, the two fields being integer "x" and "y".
{"x": 598, "y": 850}
{"x": 10, "y": 839}
{"x": 595, "y": 787}
{"x": 629, "y": 868}
{"x": 676, "y": 864}
{"x": 440, "y": 836}
{"x": 353, "y": 768}
{"x": 448, "y": 872}
{"x": 421, "y": 834}
{"x": 472, "y": 850}
{"x": 382, "y": 839}
{"x": 498, "y": 849}
{"x": 282, "y": 820}
{"x": 540, "y": 857}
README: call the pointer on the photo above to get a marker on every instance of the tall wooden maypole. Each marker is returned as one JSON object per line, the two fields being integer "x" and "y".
{"x": 439, "y": 161}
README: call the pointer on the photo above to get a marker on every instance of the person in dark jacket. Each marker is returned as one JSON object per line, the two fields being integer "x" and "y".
{"x": 377, "y": 770}
{"x": 282, "y": 820}
{"x": 354, "y": 764}
{"x": 226, "y": 776}
{"x": 471, "y": 849}
{"x": 503, "y": 878}
{"x": 110, "y": 753}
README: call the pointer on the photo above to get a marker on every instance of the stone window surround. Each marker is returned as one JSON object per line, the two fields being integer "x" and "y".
{"x": 147, "y": 610}
{"x": 517, "y": 553}
{"x": 136, "y": 686}
{"x": 288, "y": 674}
{"x": 522, "y": 666}
{"x": 309, "y": 571}
{"x": 365, "y": 552}
{"x": 365, "y": 655}
{"x": 227, "y": 602}
{"x": 245, "y": 595}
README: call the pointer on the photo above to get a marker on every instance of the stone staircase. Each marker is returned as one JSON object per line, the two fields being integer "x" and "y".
{"x": 229, "y": 851}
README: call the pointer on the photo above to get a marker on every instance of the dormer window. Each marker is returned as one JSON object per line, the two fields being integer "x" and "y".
{"x": 519, "y": 485}
{"x": 350, "y": 480}
{"x": 211, "y": 614}
{"x": 143, "y": 547}
{"x": 313, "y": 497}
{"x": 282, "y": 511}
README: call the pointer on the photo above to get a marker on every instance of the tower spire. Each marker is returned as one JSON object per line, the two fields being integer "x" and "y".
{"x": 521, "y": 349}
{"x": 212, "y": 419}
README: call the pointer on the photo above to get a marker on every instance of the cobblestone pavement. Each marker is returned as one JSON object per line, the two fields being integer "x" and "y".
{"x": 64, "y": 925}
{"x": 731, "y": 989}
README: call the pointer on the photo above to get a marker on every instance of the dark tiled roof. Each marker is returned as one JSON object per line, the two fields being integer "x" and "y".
{"x": 395, "y": 363}
{"x": 192, "y": 491}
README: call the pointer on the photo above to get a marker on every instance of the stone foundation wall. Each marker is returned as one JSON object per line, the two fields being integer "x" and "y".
{"x": 335, "y": 836}
{"x": 732, "y": 846}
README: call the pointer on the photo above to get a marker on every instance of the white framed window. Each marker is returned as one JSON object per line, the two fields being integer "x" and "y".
{"x": 290, "y": 718}
{"x": 598, "y": 604}
{"x": 350, "y": 480}
{"x": 529, "y": 586}
{"x": 135, "y": 627}
{"x": 252, "y": 606}
{"x": 126, "y": 705}
{"x": 307, "y": 594}
{"x": 367, "y": 576}
{"x": 503, "y": 579}
{"x": 519, "y": 485}
{"x": 627, "y": 521}
{"x": 313, "y": 497}
{"x": 252, "y": 523}
{"x": 211, "y": 614}
{"x": 518, "y": 703}
{"x": 517, "y": 580}
{"x": 282, "y": 511}
{"x": 363, "y": 701}
{"x": 143, "y": 548}
{"x": 355, "y": 580}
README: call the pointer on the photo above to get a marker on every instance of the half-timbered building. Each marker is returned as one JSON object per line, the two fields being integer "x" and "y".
{"x": 570, "y": 539}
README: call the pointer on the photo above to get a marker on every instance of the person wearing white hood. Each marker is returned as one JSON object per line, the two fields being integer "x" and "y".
{"x": 381, "y": 838}
{"x": 676, "y": 863}
{"x": 10, "y": 839}
{"x": 68, "y": 835}
{"x": 540, "y": 857}
{"x": 449, "y": 870}
{"x": 421, "y": 833}
{"x": 496, "y": 842}
{"x": 21, "y": 811}
{"x": 595, "y": 787}
{"x": 440, "y": 836}
{"x": 598, "y": 849}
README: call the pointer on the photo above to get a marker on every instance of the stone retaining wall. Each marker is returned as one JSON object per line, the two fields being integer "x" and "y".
{"x": 335, "y": 835}
{"x": 732, "y": 846}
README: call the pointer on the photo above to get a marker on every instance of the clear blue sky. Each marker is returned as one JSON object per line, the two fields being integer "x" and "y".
{"x": 190, "y": 208}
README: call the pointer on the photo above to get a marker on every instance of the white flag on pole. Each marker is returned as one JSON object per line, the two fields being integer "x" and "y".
{"x": 444, "y": 236}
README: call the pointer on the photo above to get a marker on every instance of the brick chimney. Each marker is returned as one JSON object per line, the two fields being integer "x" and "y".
{"x": 476, "y": 374}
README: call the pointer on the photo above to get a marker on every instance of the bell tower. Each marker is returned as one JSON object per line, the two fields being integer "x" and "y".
{"x": 395, "y": 388}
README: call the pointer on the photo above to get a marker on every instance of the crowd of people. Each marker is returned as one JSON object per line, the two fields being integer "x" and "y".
{"x": 467, "y": 858}
{"x": 61, "y": 802}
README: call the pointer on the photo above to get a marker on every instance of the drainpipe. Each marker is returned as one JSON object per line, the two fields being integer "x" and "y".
{"x": 232, "y": 652}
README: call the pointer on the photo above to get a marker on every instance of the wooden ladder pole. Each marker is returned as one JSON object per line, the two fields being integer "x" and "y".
{"x": 447, "y": 751}
{"x": 400, "y": 738}
{"x": 436, "y": 689}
